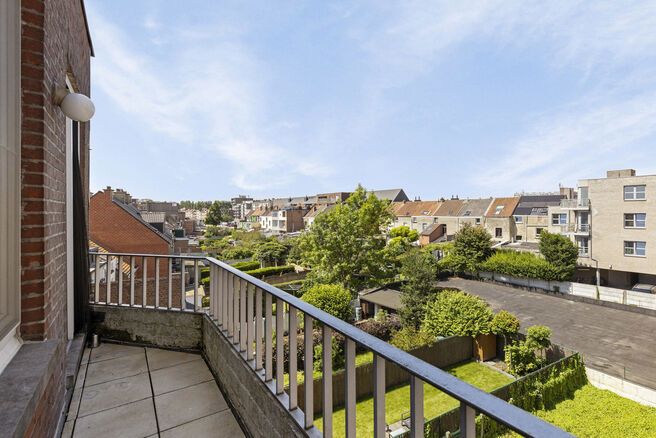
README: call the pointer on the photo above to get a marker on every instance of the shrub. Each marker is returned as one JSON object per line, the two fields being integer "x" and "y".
{"x": 505, "y": 324}
{"x": 273, "y": 270}
{"x": 380, "y": 329}
{"x": 247, "y": 266}
{"x": 338, "y": 357}
{"x": 382, "y": 315}
{"x": 538, "y": 336}
{"x": 521, "y": 359}
{"x": 204, "y": 273}
{"x": 205, "y": 301}
{"x": 453, "y": 312}
{"x": 237, "y": 254}
{"x": 472, "y": 245}
{"x": 205, "y": 282}
{"x": 331, "y": 298}
{"x": 271, "y": 252}
{"x": 408, "y": 338}
{"x": 557, "y": 249}
{"x": 525, "y": 265}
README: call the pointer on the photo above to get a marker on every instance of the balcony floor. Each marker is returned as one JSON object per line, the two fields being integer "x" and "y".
{"x": 126, "y": 391}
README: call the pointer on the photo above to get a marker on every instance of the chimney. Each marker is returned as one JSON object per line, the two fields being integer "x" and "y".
{"x": 622, "y": 173}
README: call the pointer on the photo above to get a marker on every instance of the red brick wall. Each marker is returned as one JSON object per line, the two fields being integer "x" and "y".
{"x": 118, "y": 231}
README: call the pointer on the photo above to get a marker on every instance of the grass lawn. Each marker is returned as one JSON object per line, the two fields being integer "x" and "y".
{"x": 397, "y": 400}
{"x": 600, "y": 413}
{"x": 360, "y": 358}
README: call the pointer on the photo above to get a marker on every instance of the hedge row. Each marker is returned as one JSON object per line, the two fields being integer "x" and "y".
{"x": 273, "y": 270}
{"x": 247, "y": 266}
{"x": 525, "y": 265}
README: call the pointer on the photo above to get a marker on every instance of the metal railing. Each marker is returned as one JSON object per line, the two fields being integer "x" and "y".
{"x": 236, "y": 307}
{"x": 575, "y": 203}
{"x": 575, "y": 228}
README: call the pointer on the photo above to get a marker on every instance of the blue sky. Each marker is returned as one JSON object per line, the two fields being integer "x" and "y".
{"x": 206, "y": 100}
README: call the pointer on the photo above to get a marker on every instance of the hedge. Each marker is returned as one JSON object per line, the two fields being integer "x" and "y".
{"x": 524, "y": 265}
{"x": 273, "y": 270}
{"x": 247, "y": 266}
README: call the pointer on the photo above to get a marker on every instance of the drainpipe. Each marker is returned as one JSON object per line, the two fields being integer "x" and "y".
{"x": 597, "y": 268}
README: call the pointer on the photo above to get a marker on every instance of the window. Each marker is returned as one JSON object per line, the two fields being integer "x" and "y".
{"x": 636, "y": 249}
{"x": 518, "y": 219}
{"x": 559, "y": 219}
{"x": 538, "y": 231}
{"x": 583, "y": 246}
{"x": 498, "y": 209}
{"x": 423, "y": 226}
{"x": 414, "y": 220}
{"x": 434, "y": 220}
{"x": 478, "y": 221}
{"x": 635, "y": 220}
{"x": 540, "y": 211}
{"x": 449, "y": 213}
{"x": 425, "y": 213}
{"x": 518, "y": 237}
{"x": 633, "y": 193}
{"x": 498, "y": 232}
{"x": 467, "y": 213}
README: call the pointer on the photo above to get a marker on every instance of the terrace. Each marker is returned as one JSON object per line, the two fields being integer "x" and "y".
{"x": 159, "y": 309}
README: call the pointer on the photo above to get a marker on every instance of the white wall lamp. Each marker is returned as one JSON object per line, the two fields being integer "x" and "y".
{"x": 75, "y": 106}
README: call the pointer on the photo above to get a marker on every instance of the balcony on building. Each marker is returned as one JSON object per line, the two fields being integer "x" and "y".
{"x": 575, "y": 204}
{"x": 211, "y": 365}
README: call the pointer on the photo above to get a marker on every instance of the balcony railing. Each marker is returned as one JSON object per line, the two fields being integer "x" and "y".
{"x": 575, "y": 203}
{"x": 575, "y": 228}
{"x": 236, "y": 308}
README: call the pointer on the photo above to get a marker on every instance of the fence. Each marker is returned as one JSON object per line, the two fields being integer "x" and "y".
{"x": 601, "y": 293}
{"x": 236, "y": 304}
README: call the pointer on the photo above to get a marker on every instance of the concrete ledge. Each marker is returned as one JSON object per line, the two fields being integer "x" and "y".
{"x": 23, "y": 382}
{"x": 621, "y": 387}
{"x": 262, "y": 412}
{"x": 162, "y": 328}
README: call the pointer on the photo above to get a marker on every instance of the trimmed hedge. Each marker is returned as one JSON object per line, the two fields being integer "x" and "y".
{"x": 273, "y": 270}
{"x": 524, "y": 265}
{"x": 247, "y": 266}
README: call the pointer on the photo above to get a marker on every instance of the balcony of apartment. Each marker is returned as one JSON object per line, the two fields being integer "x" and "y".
{"x": 575, "y": 204}
{"x": 576, "y": 229}
{"x": 172, "y": 363}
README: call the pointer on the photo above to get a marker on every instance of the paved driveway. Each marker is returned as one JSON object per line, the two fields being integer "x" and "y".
{"x": 614, "y": 341}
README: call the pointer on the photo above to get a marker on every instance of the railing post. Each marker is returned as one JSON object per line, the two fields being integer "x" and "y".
{"x": 195, "y": 285}
{"x": 327, "y": 382}
{"x": 183, "y": 289}
{"x": 258, "y": 329}
{"x": 119, "y": 286}
{"x": 349, "y": 388}
{"x": 268, "y": 334}
{"x": 224, "y": 299}
{"x": 144, "y": 280}
{"x": 249, "y": 322}
{"x": 308, "y": 357}
{"x": 236, "y": 284}
{"x": 108, "y": 280}
{"x": 156, "y": 282}
{"x": 219, "y": 295}
{"x": 96, "y": 290}
{"x": 280, "y": 337}
{"x": 379, "y": 396}
{"x": 467, "y": 421}
{"x": 243, "y": 325}
{"x": 416, "y": 407}
{"x": 132, "y": 278}
{"x": 293, "y": 360}
{"x": 169, "y": 302}
{"x": 212, "y": 292}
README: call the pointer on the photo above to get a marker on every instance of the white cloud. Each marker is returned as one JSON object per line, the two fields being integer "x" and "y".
{"x": 208, "y": 92}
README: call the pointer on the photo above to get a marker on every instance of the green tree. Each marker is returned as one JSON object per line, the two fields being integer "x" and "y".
{"x": 271, "y": 252}
{"x": 453, "y": 312}
{"x": 331, "y": 298}
{"x": 557, "y": 249}
{"x": 218, "y": 212}
{"x": 404, "y": 232}
{"x": 505, "y": 324}
{"x": 346, "y": 244}
{"x": 419, "y": 269}
{"x": 472, "y": 245}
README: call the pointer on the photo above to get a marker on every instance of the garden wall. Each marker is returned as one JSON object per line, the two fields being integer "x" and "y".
{"x": 443, "y": 353}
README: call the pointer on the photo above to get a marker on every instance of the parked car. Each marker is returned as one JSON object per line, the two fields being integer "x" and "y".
{"x": 645, "y": 288}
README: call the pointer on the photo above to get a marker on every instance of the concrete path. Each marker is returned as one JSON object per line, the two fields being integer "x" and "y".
{"x": 617, "y": 342}
{"x": 124, "y": 391}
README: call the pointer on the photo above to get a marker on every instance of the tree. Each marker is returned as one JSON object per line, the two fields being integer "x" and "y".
{"x": 505, "y": 324}
{"x": 455, "y": 313}
{"x": 271, "y": 252}
{"x": 558, "y": 250}
{"x": 419, "y": 269}
{"x": 218, "y": 212}
{"x": 331, "y": 298}
{"x": 404, "y": 232}
{"x": 472, "y": 245}
{"x": 346, "y": 244}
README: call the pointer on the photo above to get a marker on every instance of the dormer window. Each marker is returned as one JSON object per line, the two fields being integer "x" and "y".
{"x": 467, "y": 213}
{"x": 498, "y": 210}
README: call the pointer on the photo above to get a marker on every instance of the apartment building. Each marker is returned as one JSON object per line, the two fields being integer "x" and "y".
{"x": 241, "y": 205}
{"x": 447, "y": 214}
{"x": 612, "y": 220}
{"x": 417, "y": 215}
{"x": 285, "y": 220}
{"x": 532, "y": 215}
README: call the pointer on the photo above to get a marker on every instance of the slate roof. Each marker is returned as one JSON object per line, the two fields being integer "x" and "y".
{"x": 393, "y": 195}
{"x": 429, "y": 229}
{"x": 536, "y": 205}
{"x": 417, "y": 208}
{"x": 134, "y": 212}
{"x": 385, "y": 297}
{"x": 475, "y": 207}
{"x": 508, "y": 205}
{"x": 450, "y": 207}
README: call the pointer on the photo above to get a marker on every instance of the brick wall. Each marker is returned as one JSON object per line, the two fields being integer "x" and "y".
{"x": 118, "y": 231}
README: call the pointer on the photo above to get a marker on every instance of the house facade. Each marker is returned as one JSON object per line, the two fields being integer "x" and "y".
{"x": 417, "y": 215}
{"x": 499, "y": 221}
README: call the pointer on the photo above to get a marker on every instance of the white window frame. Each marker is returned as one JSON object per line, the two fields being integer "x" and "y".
{"x": 584, "y": 250}
{"x": 632, "y": 247}
{"x": 10, "y": 173}
{"x": 498, "y": 209}
{"x": 634, "y": 193}
{"x": 559, "y": 219}
{"x": 519, "y": 220}
{"x": 633, "y": 218}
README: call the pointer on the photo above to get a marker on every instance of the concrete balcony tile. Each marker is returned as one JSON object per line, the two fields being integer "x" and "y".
{"x": 112, "y": 351}
{"x": 191, "y": 403}
{"x": 158, "y": 359}
{"x": 75, "y": 404}
{"x": 111, "y": 369}
{"x": 221, "y": 424}
{"x": 131, "y": 420}
{"x": 85, "y": 356}
{"x": 79, "y": 380}
{"x": 114, "y": 393}
{"x": 180, "y": 376}
{"x": 67, "y": 432}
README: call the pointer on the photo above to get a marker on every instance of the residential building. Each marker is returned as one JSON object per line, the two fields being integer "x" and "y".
{"x": 241, "y": 205}
{"x": 499, "y": 221}
{"x": 472, "y": 212}
{"x": 285, "y": 220}
{"x": 532, "y": 215}
{"x": 332, "y": 198}
{"x": 432, "y": 233}
{"x": 119, "y": 227}
{"x": 45, "y": 52}
{"x": 392, "y": 195}
{"x": 417, "y": 215}
{"x": 447, "y": 214}
{"x": 315, "y": 211}
{"x": 612, "y": 220}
